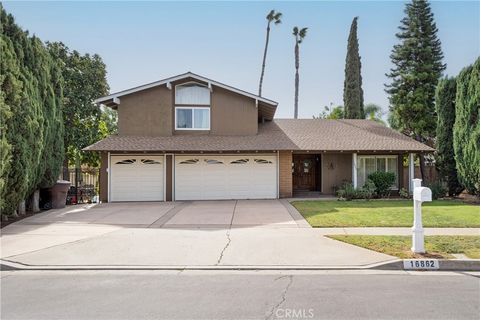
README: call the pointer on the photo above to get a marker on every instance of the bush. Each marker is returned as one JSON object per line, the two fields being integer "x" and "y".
{"x": 383, "y": 182}
{"x": 438, "y": 190}
{"x": 347, "y": 192}
{"x": 368, "y": 189}
{"x": 404, "y": 193}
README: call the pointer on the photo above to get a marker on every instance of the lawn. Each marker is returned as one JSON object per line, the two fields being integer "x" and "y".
{"x": 440, "y": 247}
{"x": 388, "y": 213}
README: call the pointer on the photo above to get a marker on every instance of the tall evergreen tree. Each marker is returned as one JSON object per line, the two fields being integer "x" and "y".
{"x": 352, "y": 86}
{"x": 418, "y": 66}
{"x": 445, "y": 157}
{"x": 466, "y": 130}
{"x": 30, "y": 96}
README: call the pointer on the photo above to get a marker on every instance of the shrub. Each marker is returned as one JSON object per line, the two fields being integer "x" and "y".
{"x": 368, "y": 189}
{"x": 438, "y": 190}
{"x": 347, "y": 192}
{"x": 404, "y": 193}
{"x": 383, "y": 182}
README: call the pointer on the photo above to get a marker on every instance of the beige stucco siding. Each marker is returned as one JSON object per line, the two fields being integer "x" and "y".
{"x": 232, "y": 114}
{"x": 336, "y": 169}
{"x": 146, "y": 113}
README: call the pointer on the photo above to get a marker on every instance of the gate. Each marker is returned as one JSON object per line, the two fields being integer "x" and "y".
{"x": 84, "y": 185}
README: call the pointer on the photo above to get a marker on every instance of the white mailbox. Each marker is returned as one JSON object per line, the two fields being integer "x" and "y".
{"x": 422, "y": 194}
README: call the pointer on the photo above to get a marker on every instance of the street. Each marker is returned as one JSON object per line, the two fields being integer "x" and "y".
{"x": 155, "y": 294}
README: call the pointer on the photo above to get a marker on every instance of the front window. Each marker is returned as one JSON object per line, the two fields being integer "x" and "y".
{"x": 192, "y": 106}
{"x": 192, "y": 118}
{"x": 371, "y": 164}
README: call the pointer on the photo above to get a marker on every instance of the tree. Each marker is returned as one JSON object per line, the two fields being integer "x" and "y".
{"x": 274, "y": 17}
{"x": 32, "y": 126}
{"x": 445, "y": 157}
{"x": 331, "y": 112}
{"x": 352, "y": 87}
{"x": 466, "y": 130}
{"x": 299, "y": 35}
{"x": 418, "y": 66}
{"x": 373, "y": 112}
{"x": 84, "y": 81}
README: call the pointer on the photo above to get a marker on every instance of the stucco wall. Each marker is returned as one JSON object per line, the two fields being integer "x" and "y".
{"x": 336, "y": 169}
{"x": 285, "y": 174}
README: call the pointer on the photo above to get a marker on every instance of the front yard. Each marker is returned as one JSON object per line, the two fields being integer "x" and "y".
{"x": 388, "y": 213}
{"x": 439, "y": 247}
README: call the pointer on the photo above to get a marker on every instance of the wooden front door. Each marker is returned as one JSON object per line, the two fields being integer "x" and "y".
{"x": 304, "y": 172}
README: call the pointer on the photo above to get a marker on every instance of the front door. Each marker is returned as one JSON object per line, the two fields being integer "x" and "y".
{"x": 304, "y": 172}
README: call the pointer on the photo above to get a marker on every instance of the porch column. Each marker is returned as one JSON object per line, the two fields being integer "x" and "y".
{"x": 354, "y": 170}
{"x": 411, "y": 171}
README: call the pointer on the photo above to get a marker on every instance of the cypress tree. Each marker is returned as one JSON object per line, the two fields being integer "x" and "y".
{"x": 466, "y": 130}
{"x": 352, "y": 87}
{"x": 445, "y": 157}
{"x": 418, "y": 66}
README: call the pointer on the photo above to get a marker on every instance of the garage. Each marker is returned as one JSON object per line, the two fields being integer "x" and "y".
{"x": 216, "y": 177}
{"x": 136, "y": 178}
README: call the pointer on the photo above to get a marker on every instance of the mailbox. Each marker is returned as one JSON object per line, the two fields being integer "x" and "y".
{"x": 422, "y": 194}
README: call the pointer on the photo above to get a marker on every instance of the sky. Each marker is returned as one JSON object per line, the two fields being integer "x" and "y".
{"x": 141, "y": 42}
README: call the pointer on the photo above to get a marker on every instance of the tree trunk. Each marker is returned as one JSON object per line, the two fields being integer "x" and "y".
{"x": 297, "y": 80}
{"x": 34, "y": 202}
{"x": 21, "y": 208}
{"x": 66, "y": 173}
{"x": 264, "y": 60}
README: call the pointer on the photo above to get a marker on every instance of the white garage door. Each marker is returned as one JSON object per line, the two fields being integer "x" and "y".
{"x": 212, "y": 177}
{"x": 136, "y": 178}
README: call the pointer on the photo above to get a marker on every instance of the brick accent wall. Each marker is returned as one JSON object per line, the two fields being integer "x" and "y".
{"x": 285, "y": 174}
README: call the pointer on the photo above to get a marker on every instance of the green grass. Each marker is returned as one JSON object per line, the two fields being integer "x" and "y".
{"x": 440, "y": 247}
{"x": 388, "y": 213}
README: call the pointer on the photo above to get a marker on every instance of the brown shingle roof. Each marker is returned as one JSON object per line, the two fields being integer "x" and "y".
{"x": 280, "y": 134}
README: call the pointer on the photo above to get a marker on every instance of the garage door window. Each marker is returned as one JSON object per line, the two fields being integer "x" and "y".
{"x": 126, "y": 161}
{"x": 150, "y": 161}
{"x": 213, "y": 161}
{"x": 189, "y": 161}
{"x": 262, "y": 161}
{"x": 239, "y": 161}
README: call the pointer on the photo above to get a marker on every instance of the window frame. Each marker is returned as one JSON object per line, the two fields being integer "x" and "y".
{"x": 192, "y": 108}
{"x": 386, "y": 157}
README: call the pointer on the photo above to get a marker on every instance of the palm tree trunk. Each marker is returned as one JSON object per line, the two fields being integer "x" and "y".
{"x": 264, "y": 60}
{"x": 297, "y": 79}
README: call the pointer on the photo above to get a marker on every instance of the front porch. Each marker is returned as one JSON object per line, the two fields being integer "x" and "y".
{"x": 321, "y": 174}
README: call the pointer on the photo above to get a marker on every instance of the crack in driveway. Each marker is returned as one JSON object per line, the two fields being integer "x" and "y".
{"x": 229, "y": 240}
{"x": 283, "y": 297}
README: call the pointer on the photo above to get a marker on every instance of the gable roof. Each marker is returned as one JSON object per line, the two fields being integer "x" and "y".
{"x": 167, "y": 81}
{"x": 282, "y": 134}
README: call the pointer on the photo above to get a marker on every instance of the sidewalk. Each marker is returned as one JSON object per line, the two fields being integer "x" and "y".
{"x": 399, "y": 231}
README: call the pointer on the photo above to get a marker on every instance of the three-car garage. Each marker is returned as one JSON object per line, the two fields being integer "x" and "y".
{"x": 193, "y": 177}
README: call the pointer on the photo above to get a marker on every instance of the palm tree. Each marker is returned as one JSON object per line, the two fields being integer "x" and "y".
{"x": 374, "y": 112}
{"x": 274, "y": 17}
{"x": 299, "y": 36}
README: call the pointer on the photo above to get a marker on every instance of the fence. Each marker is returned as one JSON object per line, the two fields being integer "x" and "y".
{"x": 84, "y": 185}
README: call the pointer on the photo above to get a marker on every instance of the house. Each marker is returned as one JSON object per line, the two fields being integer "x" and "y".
{"x": 192, "y": 138}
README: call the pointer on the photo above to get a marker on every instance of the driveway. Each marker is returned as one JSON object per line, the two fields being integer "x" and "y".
{"x": 182, "y": 234}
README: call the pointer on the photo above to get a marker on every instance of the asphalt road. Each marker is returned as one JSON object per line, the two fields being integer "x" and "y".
{"x": 238, "y": 295}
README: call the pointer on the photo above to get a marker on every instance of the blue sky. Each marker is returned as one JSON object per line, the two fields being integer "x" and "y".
{"x": 141, "y": 42}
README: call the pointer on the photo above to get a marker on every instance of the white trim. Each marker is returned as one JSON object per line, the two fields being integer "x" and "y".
{"x": 116, "y": 100}
{"x": 193, "y": 118}
{"x": 278, "y": 174}
{"x": 354, "y": 170}
{"x": 164, "y": 178}
{"x": 411, "y": 171}
{"x": 383, "y": 156}
{"x": 169, "y": 85}
{"x": 173, "y": 177}
{"x": 108, "y": 176}
{"x": 179, "y": 77}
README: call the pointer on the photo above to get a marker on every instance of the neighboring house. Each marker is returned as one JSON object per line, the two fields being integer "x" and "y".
{"x": 192, "y": 138}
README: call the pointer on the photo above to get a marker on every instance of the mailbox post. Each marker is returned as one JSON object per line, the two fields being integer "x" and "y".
{"x": 420, "y": 194}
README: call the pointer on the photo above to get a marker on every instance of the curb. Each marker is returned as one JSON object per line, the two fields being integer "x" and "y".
{"x": 444, "y": 265}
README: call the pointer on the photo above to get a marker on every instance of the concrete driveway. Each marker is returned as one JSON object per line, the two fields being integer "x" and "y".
{"x": 268, "y": 233}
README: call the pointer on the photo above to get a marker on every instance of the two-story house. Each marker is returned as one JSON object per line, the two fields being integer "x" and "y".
{"x": 192, "y": 138}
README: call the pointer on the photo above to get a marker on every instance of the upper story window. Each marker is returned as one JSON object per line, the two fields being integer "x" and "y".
{"x": 192, "y": 106}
